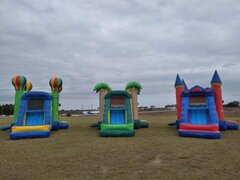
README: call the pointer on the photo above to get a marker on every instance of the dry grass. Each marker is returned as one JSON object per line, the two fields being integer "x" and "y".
{"x": 154, "y": 153}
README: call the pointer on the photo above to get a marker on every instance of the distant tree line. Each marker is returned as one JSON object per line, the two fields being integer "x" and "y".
{"x": 233, "y": 104}
{"x": 6, "y": 109}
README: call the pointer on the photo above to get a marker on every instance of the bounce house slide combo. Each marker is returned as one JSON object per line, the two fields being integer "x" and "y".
{"x": 200, "y": 110}
{"x": 118, "y": 110}
{"x": 36, "y": 112}
{"x": 117, "y": 115}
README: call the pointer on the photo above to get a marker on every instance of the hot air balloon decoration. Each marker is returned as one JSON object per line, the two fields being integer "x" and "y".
{"x": 28, "y": 86}
{"x": 19, "y": 82}
{"x": 60, "y": 89}
{"x": 55, "y": 84}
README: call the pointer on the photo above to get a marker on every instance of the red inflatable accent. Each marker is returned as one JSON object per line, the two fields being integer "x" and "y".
{"x": 179, "y": 90}
{"x": 218, "y": 100}
{"x": 199, "y": 130}
{"x": 196, "y": 90}
{"x": 199, "y": 127}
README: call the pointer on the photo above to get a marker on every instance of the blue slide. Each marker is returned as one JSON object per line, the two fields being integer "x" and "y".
{"x": 34, "y": 118}
{"x": 117, "y": 116}
{"x": 198, "y": 116}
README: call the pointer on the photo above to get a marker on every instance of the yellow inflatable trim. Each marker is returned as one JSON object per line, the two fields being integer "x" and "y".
{"x": 108, "y": 117}
{"x": 30, "y": 128}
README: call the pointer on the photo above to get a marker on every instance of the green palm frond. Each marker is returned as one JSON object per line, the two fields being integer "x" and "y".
{"x": 100, "y": 86}
{"x": 134, "y": 84}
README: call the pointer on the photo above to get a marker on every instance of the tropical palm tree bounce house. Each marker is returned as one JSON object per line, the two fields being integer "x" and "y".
{"x": 200, "y": 110}
{"x": 35, "y": 112}
{"x": 118, "y": 110}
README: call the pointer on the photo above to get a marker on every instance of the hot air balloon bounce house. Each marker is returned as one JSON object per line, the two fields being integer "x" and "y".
{"x": 35, "y": 112}
{"x": 118, "y": 110}
{"x": 200, "y": 110}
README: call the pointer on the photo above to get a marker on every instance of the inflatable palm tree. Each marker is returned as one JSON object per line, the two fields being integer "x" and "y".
{"x": 134, "y": 88}
{"x": 102, "y": 89}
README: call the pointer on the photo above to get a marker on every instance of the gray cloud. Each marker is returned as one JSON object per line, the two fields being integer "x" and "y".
{"x": 85, "y": 42}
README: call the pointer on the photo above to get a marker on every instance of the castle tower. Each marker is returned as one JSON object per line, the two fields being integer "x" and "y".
{"x": 179, "y": 86}
{"x": 184, "y": 84}
{"x": 216, "y": 84}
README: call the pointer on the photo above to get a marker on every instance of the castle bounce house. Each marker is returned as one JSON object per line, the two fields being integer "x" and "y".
{"x": 35, "y": 112}
{"x": 118, "y": 110}
{"x": 200, "y": 110}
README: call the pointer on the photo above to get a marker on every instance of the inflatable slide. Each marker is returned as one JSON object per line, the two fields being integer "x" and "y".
{"x": 117, "y": 116}
{"x": 200, "y": 110}
{"x": 34, "y": 119}
{"x": 35, "y": 112}
{"x": 118, "y": 110}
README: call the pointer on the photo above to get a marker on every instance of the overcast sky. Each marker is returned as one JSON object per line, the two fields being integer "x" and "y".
{"x": 89, "y": 41}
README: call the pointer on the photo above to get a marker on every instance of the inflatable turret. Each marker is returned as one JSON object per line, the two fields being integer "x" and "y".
{"x": 216, "y": 84}
{"x": 179, "y": 86}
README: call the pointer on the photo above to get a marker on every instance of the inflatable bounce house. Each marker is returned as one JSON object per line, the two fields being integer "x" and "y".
{"x": 118, "y": 110}
{"x": 36, "y": 112}
{"x": 200, "y": 110}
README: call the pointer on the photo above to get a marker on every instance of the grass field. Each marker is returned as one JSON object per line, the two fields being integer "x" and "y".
{"x": 154, "y": 153}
